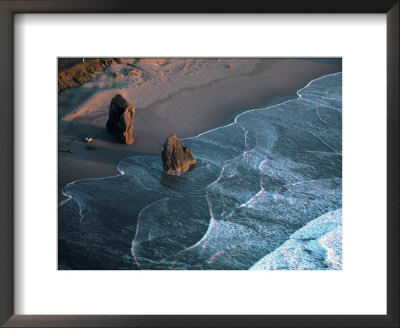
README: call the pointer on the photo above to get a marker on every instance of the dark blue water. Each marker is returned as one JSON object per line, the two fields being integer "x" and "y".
{"x": 258, "y": 181}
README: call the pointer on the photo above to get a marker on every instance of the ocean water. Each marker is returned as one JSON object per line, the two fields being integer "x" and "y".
{"x": 266, "y": 193}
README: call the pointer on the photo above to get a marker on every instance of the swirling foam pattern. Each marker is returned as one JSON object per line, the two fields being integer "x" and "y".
{"x": 266, "y": 194}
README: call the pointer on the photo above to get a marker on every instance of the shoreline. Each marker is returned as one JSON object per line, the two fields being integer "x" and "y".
{"x": 227, "y": 98}
{"x": 273, "y": 102}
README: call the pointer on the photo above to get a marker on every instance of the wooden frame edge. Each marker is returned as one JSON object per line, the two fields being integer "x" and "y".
{"x": 393, "y": 167}
{"x": 9, "y": 8}
{"x": 6, "y": 165}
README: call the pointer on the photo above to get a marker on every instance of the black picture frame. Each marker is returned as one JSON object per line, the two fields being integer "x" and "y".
{"x": 7, "y": 10}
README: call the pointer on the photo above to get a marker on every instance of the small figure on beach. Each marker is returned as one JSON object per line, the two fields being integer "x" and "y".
{"x": 88, "y": 140}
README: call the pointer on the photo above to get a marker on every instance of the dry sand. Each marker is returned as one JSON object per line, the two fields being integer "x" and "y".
{"x": 181, "y": 96}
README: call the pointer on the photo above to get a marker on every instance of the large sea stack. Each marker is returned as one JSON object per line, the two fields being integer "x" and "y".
{"x": 175, "y": 156}
{"x": 120, "y": 119}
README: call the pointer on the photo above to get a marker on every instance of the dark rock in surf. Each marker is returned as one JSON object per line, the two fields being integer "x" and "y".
{"x": 175, "y": 156}
{"x": 120, "y": 119}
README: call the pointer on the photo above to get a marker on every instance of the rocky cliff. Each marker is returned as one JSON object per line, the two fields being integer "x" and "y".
{"x": 72, "y": 72}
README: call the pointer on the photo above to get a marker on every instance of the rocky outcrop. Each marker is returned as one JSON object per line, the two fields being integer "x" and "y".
{"x": 72, "y": 72}
{"x": 120, "y": 119}
{"x": 175, "y": 156}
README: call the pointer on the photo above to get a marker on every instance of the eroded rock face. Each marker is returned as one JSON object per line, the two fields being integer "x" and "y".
{"x": 72, "y": 75}
{"x": 120, "y": 119}
{"x": 175, "y": 156}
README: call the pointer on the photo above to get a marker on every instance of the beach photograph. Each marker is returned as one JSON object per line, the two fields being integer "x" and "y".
{"x": 199, "y": 163}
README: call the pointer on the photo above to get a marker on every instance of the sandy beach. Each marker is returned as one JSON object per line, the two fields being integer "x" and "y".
{"x": 181, "y": 96}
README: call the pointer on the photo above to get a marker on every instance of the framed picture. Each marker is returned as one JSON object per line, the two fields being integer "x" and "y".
{"x": 199, "y": 152}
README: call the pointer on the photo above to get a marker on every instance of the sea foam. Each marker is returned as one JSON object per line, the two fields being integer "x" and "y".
{"x": 260, "y": 185}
